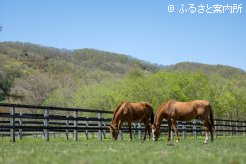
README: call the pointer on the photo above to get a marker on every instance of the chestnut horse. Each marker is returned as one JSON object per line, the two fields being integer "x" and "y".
{"x": 174, "y": 111}
{"x": 132, "y": 112}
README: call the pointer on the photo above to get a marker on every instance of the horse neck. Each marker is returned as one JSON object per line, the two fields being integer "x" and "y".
{"x": 161, "y": 114}
{"x": 158, "y": 119}
{"x": 116, "y": 118}
{"x": 115, "y": 122}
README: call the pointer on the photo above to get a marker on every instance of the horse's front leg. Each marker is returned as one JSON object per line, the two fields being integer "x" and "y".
{"x": 175, "y": 129}
{"x": 119, "y": 127}
{"x": 169, "y": 131}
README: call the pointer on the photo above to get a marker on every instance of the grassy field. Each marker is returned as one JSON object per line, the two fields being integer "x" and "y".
{"x": 59, "y": 150}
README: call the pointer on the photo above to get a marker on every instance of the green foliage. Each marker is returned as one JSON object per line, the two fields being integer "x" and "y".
{"x": 110, "y": 62}
{"x": 227, "y": 99}
{"x": 5, "y": 85}
{"x": 9, "y": 70}
{"x": 224, "y": 71}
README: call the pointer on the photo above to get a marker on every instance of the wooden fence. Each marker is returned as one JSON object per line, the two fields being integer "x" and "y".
{"x": 19, "y": 120}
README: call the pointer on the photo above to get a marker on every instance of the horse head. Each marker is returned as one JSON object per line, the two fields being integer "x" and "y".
{"x": 155, "y": 132}
{"x": 114, "y": 132}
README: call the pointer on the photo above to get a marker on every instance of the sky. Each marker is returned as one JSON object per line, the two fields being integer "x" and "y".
{"x": 145, "y": 29}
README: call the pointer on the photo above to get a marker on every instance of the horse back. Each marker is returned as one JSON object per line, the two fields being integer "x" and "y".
{"x": 201, "y": 103}
{"x": 140, "y": 110}
{"x": 186, "y": 111}
{"x": 191, "y": 105}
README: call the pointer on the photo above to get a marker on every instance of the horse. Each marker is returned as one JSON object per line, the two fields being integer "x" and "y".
{"x": 132, "y": 112}
{"x": 174, "y": 111}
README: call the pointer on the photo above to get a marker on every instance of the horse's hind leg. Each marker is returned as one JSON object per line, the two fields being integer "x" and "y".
{"x": 211, "y": 132}
{"x": 130, "y": 130}
{"x": 206, "y": 127}
{"x": 147, "y": 129}
{"x": 145, "y": 133}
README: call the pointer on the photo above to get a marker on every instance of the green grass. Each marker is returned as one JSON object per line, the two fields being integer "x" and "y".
{"x": 59, "y": 150}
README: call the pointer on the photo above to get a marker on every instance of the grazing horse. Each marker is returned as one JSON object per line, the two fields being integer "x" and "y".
{"x": 131, "y": 112}
{"x": 174, "y": 111}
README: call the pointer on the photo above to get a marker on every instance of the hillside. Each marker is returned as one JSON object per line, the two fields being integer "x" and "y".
{"x": 40, "y": 57}
{"x": 89, "y": 78}
{"x": 225, "y": 71}
{"x": 23, "y": 63}
{"x": 29, "y": 57}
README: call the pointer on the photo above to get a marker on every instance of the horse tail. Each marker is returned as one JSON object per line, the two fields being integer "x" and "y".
{"x": 149, "y": 107}
{"x": 211, "y": 124}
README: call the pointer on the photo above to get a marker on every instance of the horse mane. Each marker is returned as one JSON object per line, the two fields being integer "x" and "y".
{"x": 116, "y": 110}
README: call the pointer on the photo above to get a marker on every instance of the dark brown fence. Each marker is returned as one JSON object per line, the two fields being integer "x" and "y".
{"x": 19, "y": 120}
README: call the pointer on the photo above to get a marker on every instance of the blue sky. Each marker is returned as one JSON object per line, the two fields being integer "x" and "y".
{"x": 144, "y": 29}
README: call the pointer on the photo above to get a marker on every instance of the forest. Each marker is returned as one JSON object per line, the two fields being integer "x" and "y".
{"x": 94, "y": 79}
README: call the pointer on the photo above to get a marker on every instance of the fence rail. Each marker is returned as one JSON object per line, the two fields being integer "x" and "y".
{"x": 19, "y": 120}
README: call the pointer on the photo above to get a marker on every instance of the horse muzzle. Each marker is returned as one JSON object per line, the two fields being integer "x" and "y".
{"x": 155, "y": 138}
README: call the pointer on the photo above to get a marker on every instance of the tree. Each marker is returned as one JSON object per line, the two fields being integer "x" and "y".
{"x": 35, "y": 87}
{"x": 5, "y": 85}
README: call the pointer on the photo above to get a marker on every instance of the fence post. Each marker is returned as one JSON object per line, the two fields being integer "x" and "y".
{"x": 104, "y": 131}
{"x": 12, "y": 122}
{"x": 224, "y": 123}
{"x": 75, "y": 125}
{"x": 194, "y": 129}
{"x": 121, "y": 135}
{"x": 134, "y": 131}
{"x": 243, "y": 128}
{"x": 100, "y": 126}
{"x": 171, "y": 134}
{"x": 20, "y": 124}
{"x": 46, "y": 124}
{"x": 236, "y": 128}
{"x": 231, "y": 129}
{"x": 183, "y": 130}
{"x": 87, "y": 125}
{"x": 139, "y": 131}
{"x": 67, "y": 125}
{"x": 215, "y": 134}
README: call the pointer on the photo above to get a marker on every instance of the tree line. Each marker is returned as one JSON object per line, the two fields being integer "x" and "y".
{"x": 227, "y": 97}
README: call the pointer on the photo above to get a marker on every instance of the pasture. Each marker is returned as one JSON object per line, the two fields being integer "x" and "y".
{"x": 58, "y": 150}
